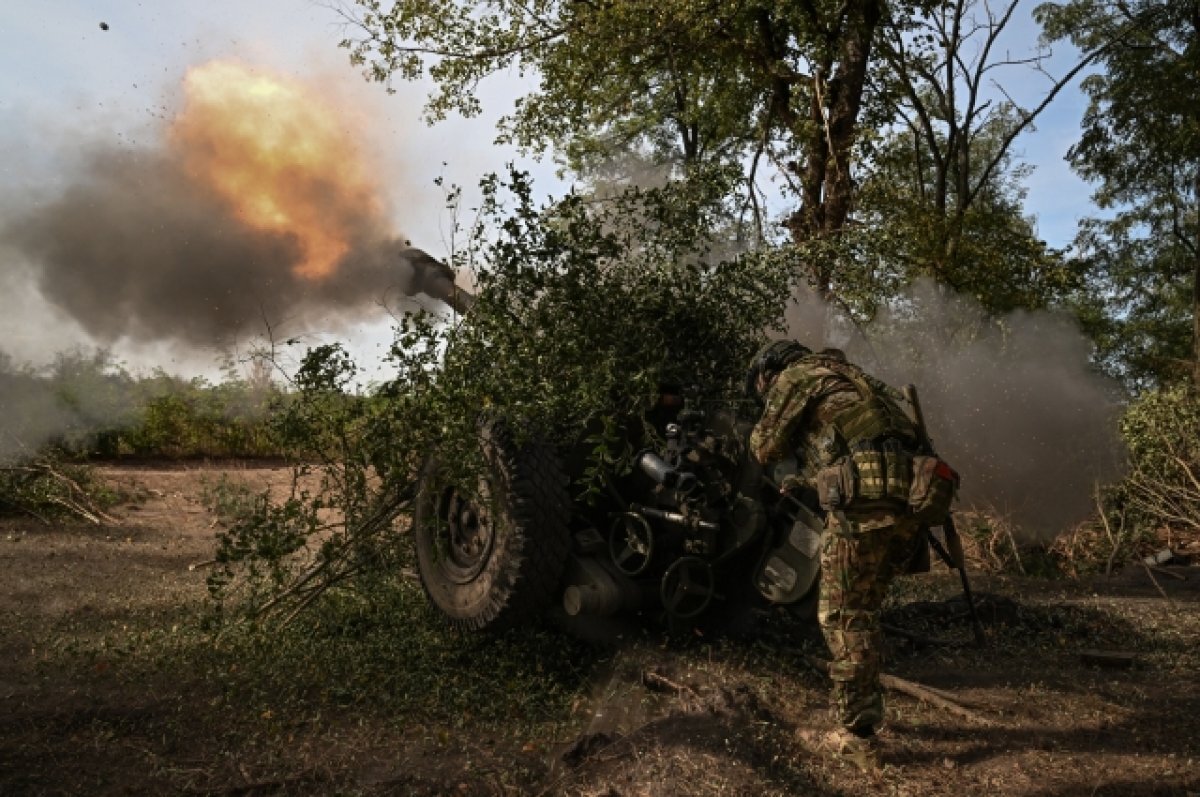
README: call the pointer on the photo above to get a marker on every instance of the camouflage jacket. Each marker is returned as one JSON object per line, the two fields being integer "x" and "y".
{"x": 810, "y": 406}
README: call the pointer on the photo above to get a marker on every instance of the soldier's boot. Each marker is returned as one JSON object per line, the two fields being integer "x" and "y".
{"x": 844, "y": 745}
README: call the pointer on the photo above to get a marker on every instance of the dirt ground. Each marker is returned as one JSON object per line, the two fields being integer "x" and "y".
{"x": 706, "y": 717}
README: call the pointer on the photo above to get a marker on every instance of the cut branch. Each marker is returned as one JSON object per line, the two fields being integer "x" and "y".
{"x": 934, "y": 697}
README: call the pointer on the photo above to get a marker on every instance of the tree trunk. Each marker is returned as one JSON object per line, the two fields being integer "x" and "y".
{"x": 827, "y": 186}
{"x": 1196, "y": 321}
{"x": 845, "y": 102}
{"x": 1196, "y": 286}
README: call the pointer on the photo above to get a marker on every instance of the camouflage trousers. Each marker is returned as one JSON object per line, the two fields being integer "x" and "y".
{"x": 858, "y": 562}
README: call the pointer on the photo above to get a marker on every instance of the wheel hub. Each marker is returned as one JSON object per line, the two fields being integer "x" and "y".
{"x": 467, "y": 536}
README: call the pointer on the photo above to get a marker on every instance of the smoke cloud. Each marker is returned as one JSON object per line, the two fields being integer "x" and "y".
{"x": 135, "y": 248}
{"x": 255, "y": 208}
{"x": 1012, "y": 403}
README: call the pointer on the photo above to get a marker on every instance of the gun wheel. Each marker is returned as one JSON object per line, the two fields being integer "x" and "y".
{"x": 492, "y": 553}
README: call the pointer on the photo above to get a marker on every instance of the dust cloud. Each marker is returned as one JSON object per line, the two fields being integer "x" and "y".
{"x": 1012, "y": 403}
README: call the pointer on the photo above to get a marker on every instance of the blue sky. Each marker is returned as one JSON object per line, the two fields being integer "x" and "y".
{"x": 66, "y": 83}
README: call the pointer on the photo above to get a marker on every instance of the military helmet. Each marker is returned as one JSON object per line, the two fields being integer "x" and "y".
{"x": 772, "y": 358}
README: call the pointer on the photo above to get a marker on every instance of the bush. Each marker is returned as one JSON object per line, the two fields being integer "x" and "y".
{"x": 178, "y": 418}
{"x": 49, "y": 487}
{"x": 585, "y": 310}
{"x": 85, "y": 404}
{"x": 1162, "y": 431}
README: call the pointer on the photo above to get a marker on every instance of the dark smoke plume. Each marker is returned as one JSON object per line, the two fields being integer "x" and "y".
{"x": 134, "y": 247}
{"x": 1013, "y": 403}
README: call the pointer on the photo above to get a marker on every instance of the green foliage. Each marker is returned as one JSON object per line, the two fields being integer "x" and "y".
{"x": 1162, "y": 431}
{"x": 1141, "y": 123}
{"x": 759, "y": 87}
{"x": 939, "y": 194}
{"x": 674, "y": 75}
{"x": 986, "y": 249}
{"x": 49, "y": 487}
{"x": 980, "y": 245}
{"x": 1141, "y": 133}
{"x": 196, "y": 419}
{"x": 643, "y": 91}
{"x": 346, "y": 494}
{"x": 1138, "y": 300}
{"x": 86, "y": 404}
{"x": 68, "y": 404}
{"x": 262, "y": 533}
{"x": 585, "y": 310}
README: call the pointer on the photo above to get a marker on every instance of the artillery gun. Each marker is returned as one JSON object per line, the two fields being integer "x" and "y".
{"x": 690, "y": 525}
{"x": 693, "y": 526}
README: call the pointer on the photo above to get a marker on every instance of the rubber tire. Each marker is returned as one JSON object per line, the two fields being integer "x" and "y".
{"x": 520, "y": 573}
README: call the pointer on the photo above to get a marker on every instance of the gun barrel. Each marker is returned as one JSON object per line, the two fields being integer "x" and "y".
{"x": 460, "y": 300}
{"x": 435, "y": 279}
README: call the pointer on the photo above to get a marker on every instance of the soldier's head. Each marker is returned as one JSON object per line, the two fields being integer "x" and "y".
{"x": 768, "y": 362}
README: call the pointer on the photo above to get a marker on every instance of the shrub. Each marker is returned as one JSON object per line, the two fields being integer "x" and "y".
{"x": 585, "y": 309}
{"x": 1162, "y": 430}
{"x": 193, "y": 418}
{"x": 84, "y": 404}
{"x": 48, "y": 487}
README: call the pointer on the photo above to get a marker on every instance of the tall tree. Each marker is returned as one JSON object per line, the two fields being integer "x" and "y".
{"x": 725, "y": 82}
{"x": 986, "y": 247}
{"x": 1141, "y": 145}
{"x": 941, "y": 195}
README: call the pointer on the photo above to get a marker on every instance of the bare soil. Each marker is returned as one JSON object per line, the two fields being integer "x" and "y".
{"x": 84, "y": 709}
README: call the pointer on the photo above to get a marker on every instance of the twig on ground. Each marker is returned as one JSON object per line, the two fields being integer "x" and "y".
{"x": 76, "y": 500}
{"x": 1157, "y": 586}
{"x": 1164, "y": 571}
{"x": 934, "y": 697}
{"x": 660, "y": 683}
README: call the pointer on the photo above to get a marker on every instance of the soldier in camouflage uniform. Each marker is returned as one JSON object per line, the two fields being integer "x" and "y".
{"x": 851, "y": 439}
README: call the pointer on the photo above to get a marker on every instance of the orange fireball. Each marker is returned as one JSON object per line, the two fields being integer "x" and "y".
{"x": 280, "y": 156}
